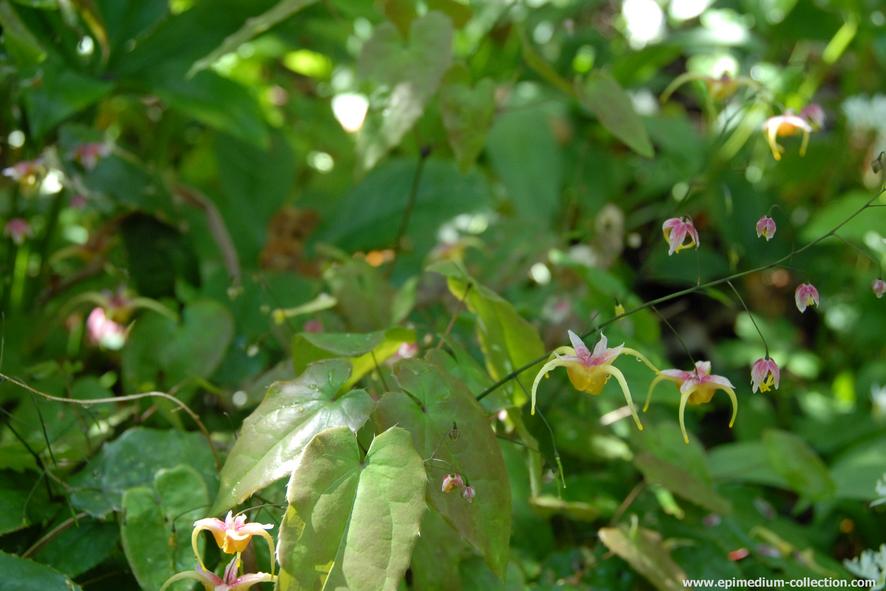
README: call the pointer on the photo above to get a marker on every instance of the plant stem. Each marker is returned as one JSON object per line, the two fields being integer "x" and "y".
{"x": 745, "y": 306}
{"x": 685, "y": 292}
{"x": 410, "y": 200}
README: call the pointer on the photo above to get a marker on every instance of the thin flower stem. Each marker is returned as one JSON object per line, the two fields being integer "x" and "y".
{"x": 676, "y": 334}
{"x": 684, "y": 292}
{"x": 861, "y": 251}
{"x": 745, "y": 306}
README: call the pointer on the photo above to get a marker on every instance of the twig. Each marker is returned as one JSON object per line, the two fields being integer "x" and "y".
{"x": 410, "y": 200}
{"x": 53, "y": 533}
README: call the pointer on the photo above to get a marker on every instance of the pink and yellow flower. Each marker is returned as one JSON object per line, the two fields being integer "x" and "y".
{"x": 696, "y": 387}
{"x": 589, "y": 371}
{"x": 89, "y": 154}
{"x": 814, "y": 114}
{"x": 104, "y": 331}
{"x": 469, "y": 493}
{"x": 17, "y": 229}
{"x": 765, "y": 375}
{"x": 233, "y": 534}
{"x": 25, "y": 172}
{"x": 452, "y": 482}
{"x": 806, "y": 295}
{"x": 786, "y": 124}
{"x": 229, "y": 582}
{"x": 766, "y": 228}
{"x": 878, "y": 287}
{"x": 676, "y": 231}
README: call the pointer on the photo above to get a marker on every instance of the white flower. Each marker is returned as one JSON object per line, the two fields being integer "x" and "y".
{"x": 870, "y": 565}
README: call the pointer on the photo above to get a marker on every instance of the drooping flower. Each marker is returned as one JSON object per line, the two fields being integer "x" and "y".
{"x": 469, "y": 493}
{"x": 589, "y": 371}
{"x": 696, "y": 387}
{"x": 786, "y": 124}
{"x": 878, "y": 287}
{"x": 17, "y": 229}
{"x": 766, "y": 228}
{"x": 233, "y": 534}
{"x": 452, "y": 482}
{"x": 229, "y": 582}
{"x": 676, "y": 230}
{"x": 806, "y": 295}
{"x": 89, "y": 154}
{"x": 25, "y": 172}
{"x": 104, "y": 331}
{"x": 765, "y": 375}
{"x": 78, "y": 201}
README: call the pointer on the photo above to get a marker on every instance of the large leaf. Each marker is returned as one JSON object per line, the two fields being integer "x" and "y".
{"x": 132, "y": 460}
{"x": 274, "y": 435}
{"x": 352, "y": 523}
{"x": 20, "y": 43}
{"x": 156, "y": 525}
{"x": 799, "y": 465}
{"x": 364, "y": 350}
{"x": 253, "y": 27}
{"x": 606, "y": 99}
{"x": 644, "y": 551}
{"x": 508, "y": 341}
{"x": 407, "y": 74}
{"x": 525, "y": 155}
{"x": 451, "y": 429}
{"x": 14, "y": 494}
{"x": 62, "y": 92}
{"x": 681, "y": 482}
{"x": 20, "y": 574}
{"x": 81, "y": 547}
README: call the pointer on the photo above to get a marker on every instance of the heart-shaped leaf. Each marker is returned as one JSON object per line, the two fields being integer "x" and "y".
{"x": 352, "y": 523}
{"x": 606, "y": 99}
{"x": 467, "y": 114}
{"x": 408, "y": 74}
{"x": 21, "y": 574}
{"x": 451, "y": 429}
{"x": 274, "y": 435}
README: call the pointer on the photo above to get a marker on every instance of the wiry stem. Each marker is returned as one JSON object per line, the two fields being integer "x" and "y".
{"x": 684, "y": 292}
{"x": 745, "y": 306}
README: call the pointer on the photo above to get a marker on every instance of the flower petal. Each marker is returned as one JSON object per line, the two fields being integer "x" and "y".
{"x": 581, "y": 350}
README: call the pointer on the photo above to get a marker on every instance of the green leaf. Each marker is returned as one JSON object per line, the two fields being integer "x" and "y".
{"x": 746, "y": 461}
{"x": 681, "y": 482}
{"x": 292, "y": 413}
{"x": 525, "y": 155}
{"x": 133, "y": 460}
{"x": 467, "y": 114}
{"x": 253, "y": 27}
{"x": 20, "y": 43}
{"x": 857, "y": 470}
{"x": 61, "y": 93}
{"x": 156, "y": 525}
{"x": 604, "y": 97}
{"x": 14, "y": 494}
{"x": 352, "y": 524}
{"x": 364, "y": 350}
{"x": 644, "y": 551}
{"x": 20, "y": 574}
{"x": 407, "y": 75}
{"x": 826, "y": 217}
{"x": 436, "y": 555}
{"x": 508, "y": 341}
{"x": 447, "y": 424}
{"x": 217, "y": 102}
{"x": 799, "y": 465}
{"x": 80, "y": 547}
{"x": 363, "y": 294}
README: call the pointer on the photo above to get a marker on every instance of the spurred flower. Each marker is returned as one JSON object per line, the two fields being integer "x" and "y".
{"x": 469, "y": 493}
{"x": 25, "y": 171}
{"x": 452, "y": 482}
{"x": 104, "y": 331}
{"x": 765, "y": 375}
{"x": 766, "y": 228}
{"x": 696, "y": 387}
{"x": 233, "y": 534}
{"x": 786, "y": 124}
{"x": 17, "y": 229}
{"x": 814, "y": 114}
{"x": 89, "y": 154}
{"x": 589, "y": 371}
{"x": 806, "y": 295}
{"x": 229, "y": 582}
{"x": 676, "y": 231}
{"x": 878, "y": 287}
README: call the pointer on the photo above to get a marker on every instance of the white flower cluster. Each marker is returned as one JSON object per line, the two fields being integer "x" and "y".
{"x": 881, "y": 492}
{"x": 870, "y": 565}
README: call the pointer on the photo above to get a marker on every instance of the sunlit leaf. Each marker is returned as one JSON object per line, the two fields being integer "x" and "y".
{"x": 644, "y": 551}
{"x": 606, "y": 99}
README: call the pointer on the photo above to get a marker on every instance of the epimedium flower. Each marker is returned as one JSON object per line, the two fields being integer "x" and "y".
{"x": 590, "y": 370}
{"x": 786, "y": 124}
{"x": 104, "y": 331}
{"x": 469, "y": 493}
{"x": 696, "y": 387}
{"x": 878, "y": 287}
{"x": 806, "y": 295}
{"x": 676, "y": 231}
{"x": 452, "y": 482}
{"x": 230, "y": 581}
{"x": 233, "y": 534}
{"x": 814, "y": 114}
{"x": 89, "y": 154}
{"x": 17, "y": 229}
{"x": 765, "y": 374}
{"x": 25, "y": 172}
{"x": 766, "y": 228}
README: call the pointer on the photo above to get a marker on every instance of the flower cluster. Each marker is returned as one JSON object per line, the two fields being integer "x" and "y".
{"x": 232, "y": 537}
{"x": 454, "y": 482}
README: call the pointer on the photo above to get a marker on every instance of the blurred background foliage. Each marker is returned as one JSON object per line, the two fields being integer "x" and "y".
{"x": 269, "y": 171}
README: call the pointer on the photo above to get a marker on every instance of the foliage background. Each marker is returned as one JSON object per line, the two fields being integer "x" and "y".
{"x": 524, "y": 140}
